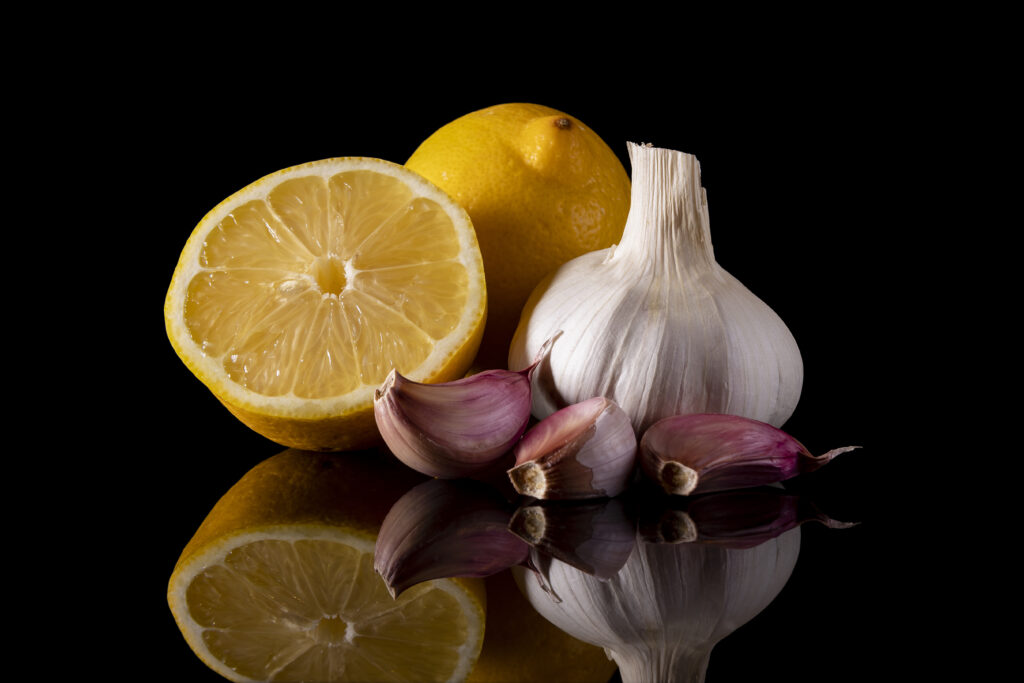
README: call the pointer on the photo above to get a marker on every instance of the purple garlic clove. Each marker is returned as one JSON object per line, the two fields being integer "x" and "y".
{"x": 586, "y": 450}
{"x": 704, "y": 452}
{"x": 451, "y": 430}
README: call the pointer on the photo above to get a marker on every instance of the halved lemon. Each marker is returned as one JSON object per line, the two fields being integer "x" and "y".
{"x": 294, "y": 297}
{"x": 278, "y": 582}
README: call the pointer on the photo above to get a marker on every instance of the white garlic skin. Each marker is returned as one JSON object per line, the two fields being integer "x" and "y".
{"x": 655, "y": 324}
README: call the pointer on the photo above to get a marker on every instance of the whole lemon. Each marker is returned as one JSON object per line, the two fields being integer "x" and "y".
{"x": 540, "y": 187}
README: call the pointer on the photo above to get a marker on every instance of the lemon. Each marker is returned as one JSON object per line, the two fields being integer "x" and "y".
{"x": 295, "y": 296}
{"x": 540, "y": 187}
{"x": 278, "y": 582}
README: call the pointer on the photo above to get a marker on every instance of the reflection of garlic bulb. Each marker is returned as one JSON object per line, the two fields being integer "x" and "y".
{"x": 668, "y": 606}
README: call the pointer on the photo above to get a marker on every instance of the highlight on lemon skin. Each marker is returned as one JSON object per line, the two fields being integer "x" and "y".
{"x": 293, "y": 298}
{"x": 278, "y": 582}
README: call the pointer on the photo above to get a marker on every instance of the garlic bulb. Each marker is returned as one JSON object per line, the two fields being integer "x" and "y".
{"x": 655, "y": 324}
{"x": 662, "y": 614}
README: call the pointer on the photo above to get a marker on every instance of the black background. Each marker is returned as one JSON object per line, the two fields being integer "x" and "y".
{"x": 809, "y": 159}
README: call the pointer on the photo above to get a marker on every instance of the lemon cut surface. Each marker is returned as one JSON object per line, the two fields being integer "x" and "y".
{"x": 294, "y": 297}
{"x": 304, "y": 604}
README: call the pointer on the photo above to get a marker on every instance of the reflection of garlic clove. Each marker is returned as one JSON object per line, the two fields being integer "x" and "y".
{"x": 442, "y": 529}
{"x": 586, "y": 450}
{"x": 734, "y": 519}
{"x": 700, "y": 453}
{"x": 596, "y": 537}
{"x": 665, "y": 610}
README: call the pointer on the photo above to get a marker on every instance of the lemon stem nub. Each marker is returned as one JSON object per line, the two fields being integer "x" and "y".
{"x": 563, "y": 123}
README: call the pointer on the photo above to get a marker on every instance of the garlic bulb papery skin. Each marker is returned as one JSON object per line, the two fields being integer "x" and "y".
{"x": 654, "y": 323}
{"x": 660, "y": 617}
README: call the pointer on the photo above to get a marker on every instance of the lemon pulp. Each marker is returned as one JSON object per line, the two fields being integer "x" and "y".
{"x": 295, "y": 297}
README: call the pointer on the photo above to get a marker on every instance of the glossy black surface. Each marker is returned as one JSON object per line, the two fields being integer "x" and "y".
{"x": 799, "y": 174}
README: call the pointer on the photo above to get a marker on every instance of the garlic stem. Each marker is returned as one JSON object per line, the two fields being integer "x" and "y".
{"x": 668, "y": 227}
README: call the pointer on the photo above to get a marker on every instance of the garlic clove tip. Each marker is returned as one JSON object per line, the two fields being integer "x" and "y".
{"x": 383, "y": 389}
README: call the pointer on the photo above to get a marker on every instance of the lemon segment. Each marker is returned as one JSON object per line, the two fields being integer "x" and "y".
{"x": 294, "y": 298}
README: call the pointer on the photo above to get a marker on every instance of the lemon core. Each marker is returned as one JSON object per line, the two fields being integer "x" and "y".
{"x": 329, "y": 274}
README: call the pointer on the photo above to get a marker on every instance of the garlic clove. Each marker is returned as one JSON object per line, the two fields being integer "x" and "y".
{"x": 732, "y": 519}
{"x": 463, "y": 428}
{"x": 596, "y": 537}
{"x": 586, "y": 450}
{"x": 442, "y": 529}
{"x": 700, "y": 453}
{"x": 454, "y": 429}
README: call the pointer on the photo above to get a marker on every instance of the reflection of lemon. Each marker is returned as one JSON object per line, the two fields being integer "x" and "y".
{"x": 278, "y": 582}
{"x": 540, "y": 187}
{"x": 522, "y": 646}
{"x": 294, "y": 297}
